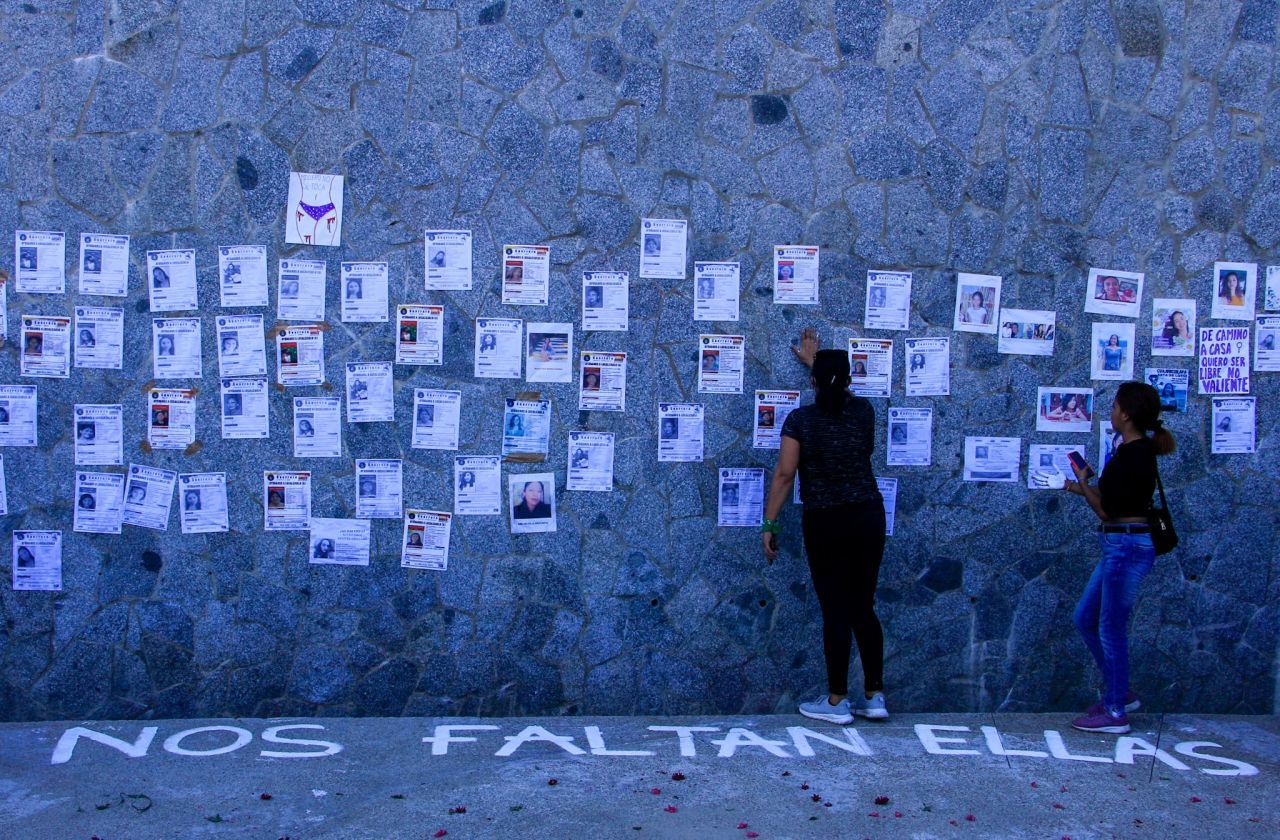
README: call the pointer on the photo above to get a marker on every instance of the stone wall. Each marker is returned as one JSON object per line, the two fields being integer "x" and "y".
{"x": 1031, "y": 140}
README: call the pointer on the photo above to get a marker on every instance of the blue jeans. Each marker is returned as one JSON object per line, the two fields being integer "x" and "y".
{"x": 1102, "y": 616}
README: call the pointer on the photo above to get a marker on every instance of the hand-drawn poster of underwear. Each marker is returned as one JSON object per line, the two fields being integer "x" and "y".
{"x": 314, "y": 212}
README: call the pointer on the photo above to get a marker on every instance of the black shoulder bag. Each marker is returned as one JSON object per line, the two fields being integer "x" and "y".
{"x": 1163, "y": 537}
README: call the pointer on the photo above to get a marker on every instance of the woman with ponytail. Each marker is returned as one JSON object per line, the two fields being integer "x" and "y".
{"x": 1121, "y": 500}
{"x": 830, "y": 444}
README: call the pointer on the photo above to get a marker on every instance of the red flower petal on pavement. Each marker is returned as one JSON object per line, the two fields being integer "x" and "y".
{"x": 897, "y": 815}
{"x": 440, "y": 833}
{"x": 753, "y": 834}
{"x": 1228, "y": 800}
{"x": 1195, "y": 799}
{"x": 264, "y": 796}
{"x": 953, "y": 822}
{"x": 882, "y": 800}
{"x": 816, "y": 798}
{"x": 804, "y": 786}
{"x": 970, "y": 818}
{"x": 1062, "y": 789}
{"x": 671, "y": 809}
{"x": 786, "y": 772}
{"x": 1059, "y": 806}
{"x": 742, "y": 825}
{"x": 1254, "y": 819}
{"x": 826, "y": 804}
{"x": 677, "y": 776}
{"x": 553, "y": 782}
{"x": 874, "y": 814}
{"x": 655, "y": 791}
{"x": 1035, "y": 784}
{"x": 459, "y": 809}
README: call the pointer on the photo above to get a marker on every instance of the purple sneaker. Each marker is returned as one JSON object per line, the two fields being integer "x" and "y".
{"x": 1103, "y": 723}
{"x": 1131, "y": 704}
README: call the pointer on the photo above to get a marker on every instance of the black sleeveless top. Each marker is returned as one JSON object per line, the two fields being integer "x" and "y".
{"x": 835, "y": 453}
{"x": 1129, "y": 480}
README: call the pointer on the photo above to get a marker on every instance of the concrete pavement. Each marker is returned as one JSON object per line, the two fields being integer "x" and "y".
{"x": 773, "y": 776}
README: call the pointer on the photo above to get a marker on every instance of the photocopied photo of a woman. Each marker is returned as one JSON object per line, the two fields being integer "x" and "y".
{"x": 1234, "y": 290}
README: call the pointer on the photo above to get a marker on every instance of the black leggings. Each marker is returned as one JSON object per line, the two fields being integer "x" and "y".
{"x": 845, "y": 545}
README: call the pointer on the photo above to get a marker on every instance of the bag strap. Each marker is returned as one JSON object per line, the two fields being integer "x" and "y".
{"x": 1164, "y": 503}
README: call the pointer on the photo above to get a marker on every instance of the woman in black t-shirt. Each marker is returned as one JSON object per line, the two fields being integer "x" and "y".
{"x": 830, "y": 444}
{"x": 1121, "y": 501}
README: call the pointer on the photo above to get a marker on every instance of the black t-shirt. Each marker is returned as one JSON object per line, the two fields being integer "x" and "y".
{"x": 1129, "y": 480}
{"x": 835, "y": 453}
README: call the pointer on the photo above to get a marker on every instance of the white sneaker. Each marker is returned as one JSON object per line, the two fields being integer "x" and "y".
{"x": 820, "y": 709}
{"x": 873, "y": 709}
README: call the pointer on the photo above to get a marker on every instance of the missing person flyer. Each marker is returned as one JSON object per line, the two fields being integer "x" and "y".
{"x": 341, "y": 542}
{"x": 171, "y": 280}
{"x": 606, "y": 301}
{"x": 364, "y": 291}
{"x": 992, "y": 458}
{"x": 301, "y": 290}
{"x": 300, "y": 356}
{"x": 46, "y": 346}
{"x": 721, "y": 363}
{"x": 590, "y": 461}
{"x": 202, "y": 503}
{"x": 772, "y": 408}
{"x": 910, "y": 437}
{"x": 477, "y": 483}
{"x": 99, "y": 506}
{"x": 245, "y": 409}
{"x": 37, "y": 561}
{"x": 526, "y": 427}
{"x": 18, "y": 407}
{"x": 370, "y": 392}
{"x": 317, "y": 427}
{"x": 741, "y": 498}
{"x": 242, "y": 350}
{"x": 602, "y": 379}
{"x": 419, "y": 335}
{"x": 795, "y": 274}
{"x": 448, "y": 259}
{"x": 425, "y": 542}
{"x": 242, "y": 275}
{"x": 871, "y": 366}
{"x": 498, "y": 348}
{"x": 379, "y": 488}
{"x": 175, "y": 348}
{"x": 148, "y": 496}
{"x": 680, "y": 432}
{"x": 436, "y": 418}
{"x": 104, "y": 264}
{"x": 663, "y": 248}
{"x": 287, "y": 500}
{"x": 99, "y": 333}
{"x": 171, "y": 418}
{"x": 99, "y": 435}
{"x": 526, "y": 274}
{"x": 39, "y": 260}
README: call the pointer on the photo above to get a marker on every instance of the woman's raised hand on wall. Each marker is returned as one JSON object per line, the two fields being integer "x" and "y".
{"x": 807, "y": 347}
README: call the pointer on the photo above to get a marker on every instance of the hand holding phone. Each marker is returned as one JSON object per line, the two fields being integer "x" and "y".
{"x": 1082, "y": 466}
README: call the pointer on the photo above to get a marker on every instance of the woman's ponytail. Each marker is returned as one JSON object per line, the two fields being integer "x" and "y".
{"x": 831, "y": 380}
{"x": 1162, "y": 439}
{"x": 1142, "y": 403}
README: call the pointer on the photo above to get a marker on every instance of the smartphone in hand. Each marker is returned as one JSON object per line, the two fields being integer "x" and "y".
{"x": 1081, "y": 464}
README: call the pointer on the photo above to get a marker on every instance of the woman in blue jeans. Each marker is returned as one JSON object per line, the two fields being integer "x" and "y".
{"x": 1121, "y": 499}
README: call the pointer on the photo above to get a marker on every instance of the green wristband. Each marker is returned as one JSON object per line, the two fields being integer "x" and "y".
{"x": 771, "y": 526}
